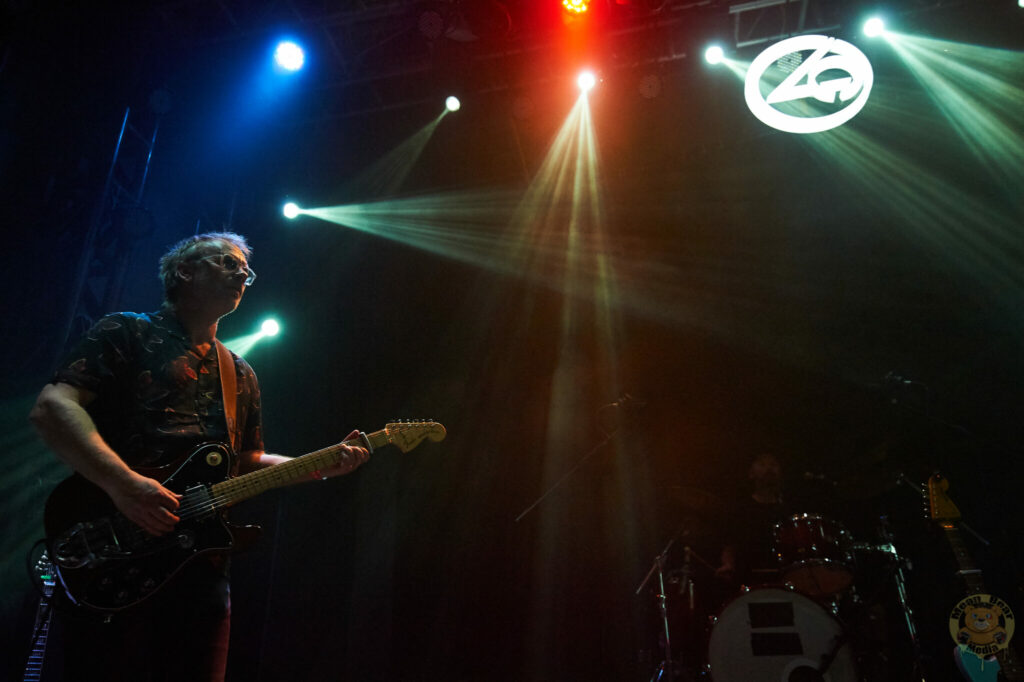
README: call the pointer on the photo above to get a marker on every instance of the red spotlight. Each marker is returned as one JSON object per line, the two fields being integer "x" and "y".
{"x": 575, "y": 6}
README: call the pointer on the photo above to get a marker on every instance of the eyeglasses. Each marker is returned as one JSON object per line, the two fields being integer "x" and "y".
{"x": 232, "y": 264}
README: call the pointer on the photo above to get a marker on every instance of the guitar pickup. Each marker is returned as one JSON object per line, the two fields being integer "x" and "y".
{"x": 197, "y": 503}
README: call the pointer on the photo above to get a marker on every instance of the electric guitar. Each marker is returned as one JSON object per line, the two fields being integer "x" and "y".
{"x": 976, "y": 667}
{"x": 106, "y": 563}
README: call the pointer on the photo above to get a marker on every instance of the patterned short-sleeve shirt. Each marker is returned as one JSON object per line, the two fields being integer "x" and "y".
{"x": 157, "y": 398}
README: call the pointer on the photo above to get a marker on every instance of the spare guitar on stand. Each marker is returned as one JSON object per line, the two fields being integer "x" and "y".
{"x": 981, "y": 624}
{"x": 44, "y": 578}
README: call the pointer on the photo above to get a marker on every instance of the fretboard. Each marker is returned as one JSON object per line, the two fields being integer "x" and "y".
{"x": 298, "y": 470}
{"x": 970, "y": 573}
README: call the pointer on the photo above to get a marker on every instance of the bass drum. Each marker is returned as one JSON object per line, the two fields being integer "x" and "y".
{"x": 774, "y": 634}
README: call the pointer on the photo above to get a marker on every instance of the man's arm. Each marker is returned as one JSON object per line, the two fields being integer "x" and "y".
{"x": 60, "y": 417}
{"x": 351, "y": 457}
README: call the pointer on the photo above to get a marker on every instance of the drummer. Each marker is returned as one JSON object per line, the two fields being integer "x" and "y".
{"x": 746, "y": 557}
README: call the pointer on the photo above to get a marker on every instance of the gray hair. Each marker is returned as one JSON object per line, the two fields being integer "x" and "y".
{"x": 189, "y": 249}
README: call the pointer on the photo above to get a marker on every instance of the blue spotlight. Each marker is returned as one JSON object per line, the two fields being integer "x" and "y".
{"x": 291, "y": 210}
{"x": 289, "y": 56}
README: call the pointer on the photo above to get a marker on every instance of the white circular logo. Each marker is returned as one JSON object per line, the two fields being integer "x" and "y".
{"x": 848, "y": 92}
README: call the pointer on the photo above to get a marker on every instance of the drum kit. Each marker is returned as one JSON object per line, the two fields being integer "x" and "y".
{"x": 811, "y": 617}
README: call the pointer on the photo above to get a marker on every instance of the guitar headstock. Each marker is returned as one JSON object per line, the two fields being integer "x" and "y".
{"x": 407, "y": 435}
{"x": 940, "y": 507}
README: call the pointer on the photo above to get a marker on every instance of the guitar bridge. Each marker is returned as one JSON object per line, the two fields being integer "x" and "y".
{"x": 87, "y": 544}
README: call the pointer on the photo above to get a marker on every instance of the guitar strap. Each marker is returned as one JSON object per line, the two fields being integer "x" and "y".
{"x": 229, "y": 391}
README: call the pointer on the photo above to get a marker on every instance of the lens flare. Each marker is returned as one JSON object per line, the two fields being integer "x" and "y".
{"x": 874, "y": 27}
{"x": 289, "y": 56}
{"x": 586, "y": 81}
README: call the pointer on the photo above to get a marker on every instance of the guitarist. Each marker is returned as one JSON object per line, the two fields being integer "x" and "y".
{"x": 142, "y": 390}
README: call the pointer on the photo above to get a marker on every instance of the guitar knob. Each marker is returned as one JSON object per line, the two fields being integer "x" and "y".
{"x": 186, "y": 540}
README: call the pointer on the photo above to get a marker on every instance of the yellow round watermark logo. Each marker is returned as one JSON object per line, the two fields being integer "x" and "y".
{"x": 983, "y": 623}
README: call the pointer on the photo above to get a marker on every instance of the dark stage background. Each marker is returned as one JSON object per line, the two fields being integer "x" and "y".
{"x": 849, "y": 301}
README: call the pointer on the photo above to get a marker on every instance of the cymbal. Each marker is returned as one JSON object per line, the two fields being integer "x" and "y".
{"x": 874, "y": 472}
{"x": 867, "y": 483}
{"x": 692, "y": 499}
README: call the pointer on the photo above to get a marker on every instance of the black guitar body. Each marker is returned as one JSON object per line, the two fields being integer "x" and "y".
{"x": 105, "y": 562}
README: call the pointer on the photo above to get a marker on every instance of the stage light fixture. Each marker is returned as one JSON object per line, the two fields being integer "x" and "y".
{"x": 431, "y": 23}
{"x": 575, "y": 6}
{"x": 649, "y": 86}
{"x": 291, "y": 210}
{"x": 289, "y": 56}
{"x": 586, "y": 81}
{"x": 452, "y": 103}
{"x": 270, "y": 327}
{"x": 874, "y": 27}
{"x": 714, "y": 54}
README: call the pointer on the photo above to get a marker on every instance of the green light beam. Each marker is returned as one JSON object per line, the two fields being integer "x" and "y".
{"x": 241, "y": 345}
{"x": 978, "y": 91}
{"x": 738, "y": 68}
{"x": 968, "y": 231}
{"x": 386, "y": 175}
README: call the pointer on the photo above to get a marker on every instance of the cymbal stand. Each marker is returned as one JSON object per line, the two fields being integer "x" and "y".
{"x": 658, "y": 568}
{"x": 901, "y": 593}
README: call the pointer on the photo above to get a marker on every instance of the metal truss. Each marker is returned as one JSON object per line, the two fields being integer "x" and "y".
{"x": 378, "y": 55}
{"x": 117, "y": 222}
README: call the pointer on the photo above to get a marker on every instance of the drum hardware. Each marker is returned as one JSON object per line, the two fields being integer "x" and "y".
{"x": 899, "y": 581}
{"x": 666, "y": 670}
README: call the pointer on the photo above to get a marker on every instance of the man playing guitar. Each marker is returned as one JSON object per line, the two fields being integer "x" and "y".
{"x": 139, "y": 391}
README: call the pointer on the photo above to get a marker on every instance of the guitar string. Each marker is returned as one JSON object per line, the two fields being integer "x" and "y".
{"x": 390, "y": 432}
{"x": 307, "y": 468}
{"x": 239, "y": 483}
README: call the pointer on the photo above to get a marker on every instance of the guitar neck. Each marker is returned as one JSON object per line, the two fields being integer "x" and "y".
{"x": 297, "y": 470}
{"x": 1010, "y": 667}
{"x": 967, "y": 569}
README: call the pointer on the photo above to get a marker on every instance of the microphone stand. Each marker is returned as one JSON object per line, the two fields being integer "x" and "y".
{"x": 568, "y": 474}
{"x": 629, "y": 405}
